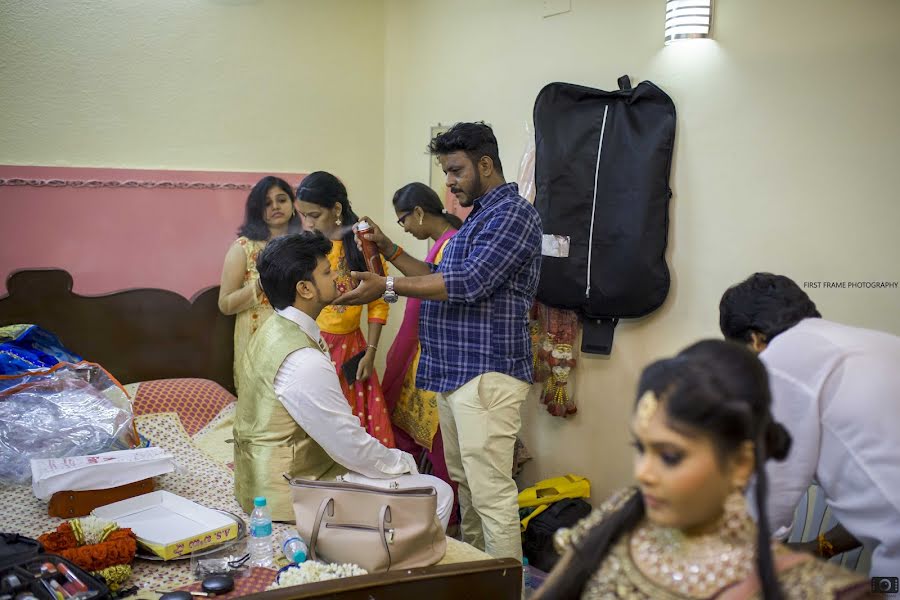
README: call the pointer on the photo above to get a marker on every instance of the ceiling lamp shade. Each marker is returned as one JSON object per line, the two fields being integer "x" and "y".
{"x": 687, "y": 19}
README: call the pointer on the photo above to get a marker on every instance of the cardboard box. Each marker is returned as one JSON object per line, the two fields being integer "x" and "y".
{"x": 168, "y": 525}
{"x": 98, "y": 471}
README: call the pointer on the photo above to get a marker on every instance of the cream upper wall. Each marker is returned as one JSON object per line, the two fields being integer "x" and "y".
{"x": 787, "y": 146}
{"x": 243, "y": 85}
{"x": 787, "y": 155}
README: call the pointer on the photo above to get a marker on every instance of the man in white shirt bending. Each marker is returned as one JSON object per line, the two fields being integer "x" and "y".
{"x": 292, "y": 416}
{"x": 837, "y": 391}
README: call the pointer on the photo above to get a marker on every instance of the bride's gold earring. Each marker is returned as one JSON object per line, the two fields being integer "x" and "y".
{"x": 736, "y": 520}
{"x": 338, "y": 222}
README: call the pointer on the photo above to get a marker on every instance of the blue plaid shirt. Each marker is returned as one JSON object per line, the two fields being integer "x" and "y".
{"x": 491, "y": 269}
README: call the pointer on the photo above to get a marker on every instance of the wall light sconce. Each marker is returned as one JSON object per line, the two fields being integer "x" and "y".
{"x": 687, "y": 19}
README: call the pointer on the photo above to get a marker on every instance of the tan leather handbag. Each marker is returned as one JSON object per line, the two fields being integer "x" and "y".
{"x": 375, "y": 528}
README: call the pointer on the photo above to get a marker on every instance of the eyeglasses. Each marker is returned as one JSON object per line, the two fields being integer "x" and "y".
{"x": 403, "y": 217}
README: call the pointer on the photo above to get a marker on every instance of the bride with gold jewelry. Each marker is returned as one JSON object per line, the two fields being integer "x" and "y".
{"x": 702, "y": 431}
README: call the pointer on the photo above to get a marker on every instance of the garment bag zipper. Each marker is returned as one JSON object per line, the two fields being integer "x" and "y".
{"x": 587, "y": 289}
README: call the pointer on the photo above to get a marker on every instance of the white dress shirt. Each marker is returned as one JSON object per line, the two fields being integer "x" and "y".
{"x": 837, "y": 391}
{"x": 307, "y": 385}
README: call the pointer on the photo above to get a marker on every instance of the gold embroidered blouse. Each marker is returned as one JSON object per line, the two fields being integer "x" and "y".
{"x": 620, "y": 577}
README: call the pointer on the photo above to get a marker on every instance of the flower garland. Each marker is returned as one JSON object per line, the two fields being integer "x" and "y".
{"x": 556, "y": 395}
{"x": 553, "y": 333}
{"x": 98, "y": 546}
{"x": 312, "y": 571}
{"x": 540, "y": 347}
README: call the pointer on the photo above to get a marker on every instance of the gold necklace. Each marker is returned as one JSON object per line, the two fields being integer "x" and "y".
{"x": 696, "y": 566}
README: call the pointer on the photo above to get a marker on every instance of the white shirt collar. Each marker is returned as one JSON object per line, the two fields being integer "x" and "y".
{"x": 303, "y": 320}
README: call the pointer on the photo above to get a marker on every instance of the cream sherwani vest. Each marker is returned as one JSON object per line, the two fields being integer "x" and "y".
{"x": 267, "y": 440}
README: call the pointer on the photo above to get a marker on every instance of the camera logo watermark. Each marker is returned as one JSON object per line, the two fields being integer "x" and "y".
{"x": 851, "y": 285}
{"x": 886, "y": 585}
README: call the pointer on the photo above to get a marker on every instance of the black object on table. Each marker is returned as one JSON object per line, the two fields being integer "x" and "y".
{"x": 218, "y": 584}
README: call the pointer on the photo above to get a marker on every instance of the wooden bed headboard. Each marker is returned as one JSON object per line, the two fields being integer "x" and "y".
{"x": 137, "y": 335}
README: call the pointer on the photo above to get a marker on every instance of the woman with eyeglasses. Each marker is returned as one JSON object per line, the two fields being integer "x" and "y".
{"x": 414, "y": 411}
{"x": 269, "y": 213}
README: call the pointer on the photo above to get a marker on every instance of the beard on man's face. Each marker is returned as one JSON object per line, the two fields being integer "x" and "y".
{"x": 470, "y": 195}
{"x": 322, "y": 298}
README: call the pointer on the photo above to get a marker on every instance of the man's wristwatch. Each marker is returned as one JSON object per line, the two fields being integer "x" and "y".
{"x": 390, "y": 296}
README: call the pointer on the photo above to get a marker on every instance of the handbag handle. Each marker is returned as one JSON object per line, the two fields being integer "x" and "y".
{"x": 383, "y": 515}
{"x": 316, "y": 524}
{"x": 383, "y": 518}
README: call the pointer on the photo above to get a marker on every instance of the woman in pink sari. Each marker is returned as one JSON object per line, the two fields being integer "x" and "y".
{"x": 414, "y": 412}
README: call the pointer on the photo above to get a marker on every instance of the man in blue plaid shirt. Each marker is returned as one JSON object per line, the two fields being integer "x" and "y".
{"x": 473, "y": 328}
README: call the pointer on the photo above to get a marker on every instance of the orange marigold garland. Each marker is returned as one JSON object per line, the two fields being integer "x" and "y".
{"x": 97, "y": 546}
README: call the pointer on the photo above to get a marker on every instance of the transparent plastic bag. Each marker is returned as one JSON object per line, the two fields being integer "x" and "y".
{"x": 231, "y": 558}
{"x": 68, "y": 410}
{"x": 525, "y": 178}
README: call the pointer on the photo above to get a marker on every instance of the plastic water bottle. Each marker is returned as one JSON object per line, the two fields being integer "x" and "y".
{"x": 294, "y": 547}
{"x": 260, "y": 544}
{"x": 527, "y": 590}
{"x": 532, "y": 578}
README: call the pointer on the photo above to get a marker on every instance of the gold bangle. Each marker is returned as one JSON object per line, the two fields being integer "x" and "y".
{"x": 372, "y": 347}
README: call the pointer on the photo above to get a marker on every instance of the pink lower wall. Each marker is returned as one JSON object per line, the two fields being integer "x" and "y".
{"x": 116, "y": 229}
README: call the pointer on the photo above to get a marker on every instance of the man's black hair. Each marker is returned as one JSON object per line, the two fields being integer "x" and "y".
{"x": 287, "y": 260}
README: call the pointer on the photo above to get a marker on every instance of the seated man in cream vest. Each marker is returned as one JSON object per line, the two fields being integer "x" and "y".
{"x": 292, "y": 416}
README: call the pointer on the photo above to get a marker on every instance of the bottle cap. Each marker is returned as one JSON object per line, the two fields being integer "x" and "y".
{"x": 363, "y": 226}
{"x": 259, "y": 501}
{"x": 299, "y": 556}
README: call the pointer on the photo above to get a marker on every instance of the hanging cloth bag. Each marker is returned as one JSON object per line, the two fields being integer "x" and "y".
{"x": 602, "y": 191}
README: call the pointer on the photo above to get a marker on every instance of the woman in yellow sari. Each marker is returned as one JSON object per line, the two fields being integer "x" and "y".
{"x": 324, "y": 206}
{"x": 702, "y": 429}
{"x": 269, "y": 212}
{"x": 414, "y": 412}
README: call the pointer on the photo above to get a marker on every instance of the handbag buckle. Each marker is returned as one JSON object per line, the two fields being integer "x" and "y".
{"x": 390, "y": 536}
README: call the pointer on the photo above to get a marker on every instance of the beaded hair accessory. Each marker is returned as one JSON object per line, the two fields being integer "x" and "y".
{"x": 646, "y": 408}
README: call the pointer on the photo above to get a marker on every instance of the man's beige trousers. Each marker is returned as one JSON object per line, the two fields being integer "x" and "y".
{"x": 479, "y": 422}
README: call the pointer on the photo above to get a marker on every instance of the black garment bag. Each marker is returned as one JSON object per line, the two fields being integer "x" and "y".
{"x": 602, "y": 189}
